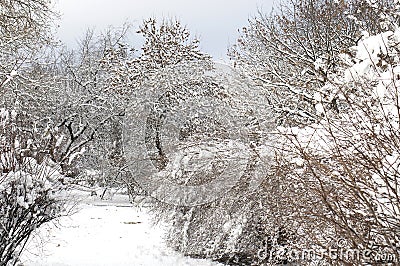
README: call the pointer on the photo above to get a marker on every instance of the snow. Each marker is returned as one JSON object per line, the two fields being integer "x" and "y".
{"x": 317, "y": 96}
{"x": 319, "y": 64}
{"x": 13, "y": 114}
{"x": 59, "y": 140}
{"x": 234, "y": 233}
{"x": 4, "y": 114}
{"x": 13, "y": 73}
{"x": 319, "y": 108}
{"x": 10, "y": 77}
{"x": 368, "y": 54}
{"x": 76, "y": 154}
{"x": 104, "y": 233}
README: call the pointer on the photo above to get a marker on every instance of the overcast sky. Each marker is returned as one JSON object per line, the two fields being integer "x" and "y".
{"x": 215, "y": 21}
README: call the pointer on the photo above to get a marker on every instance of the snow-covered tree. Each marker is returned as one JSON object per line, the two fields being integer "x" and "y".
{"x": 156, "y": 81}
{"x": 89, "y": 111}
{"x": 292, "y": 52}
{"x": 25, "y": 28}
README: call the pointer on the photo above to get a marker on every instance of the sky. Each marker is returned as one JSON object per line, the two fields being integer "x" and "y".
{"x": 215, "y": 22}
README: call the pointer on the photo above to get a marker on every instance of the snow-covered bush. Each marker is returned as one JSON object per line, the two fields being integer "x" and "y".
{"x": 345, "y": 167}
{"x": 350, "y": 161}
{"x": 29, "y": 197}
{"x": 243, "y": 224}
{"x": 30, "y": 187}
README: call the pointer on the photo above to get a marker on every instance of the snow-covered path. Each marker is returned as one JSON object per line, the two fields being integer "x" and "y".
{"x": 104, "y": 233}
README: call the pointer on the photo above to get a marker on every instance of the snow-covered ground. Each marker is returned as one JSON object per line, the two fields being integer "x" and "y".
{"x": 104, "y": 233}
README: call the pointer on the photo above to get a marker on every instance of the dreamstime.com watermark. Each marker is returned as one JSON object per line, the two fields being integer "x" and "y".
{"x": 341, "y": 252}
